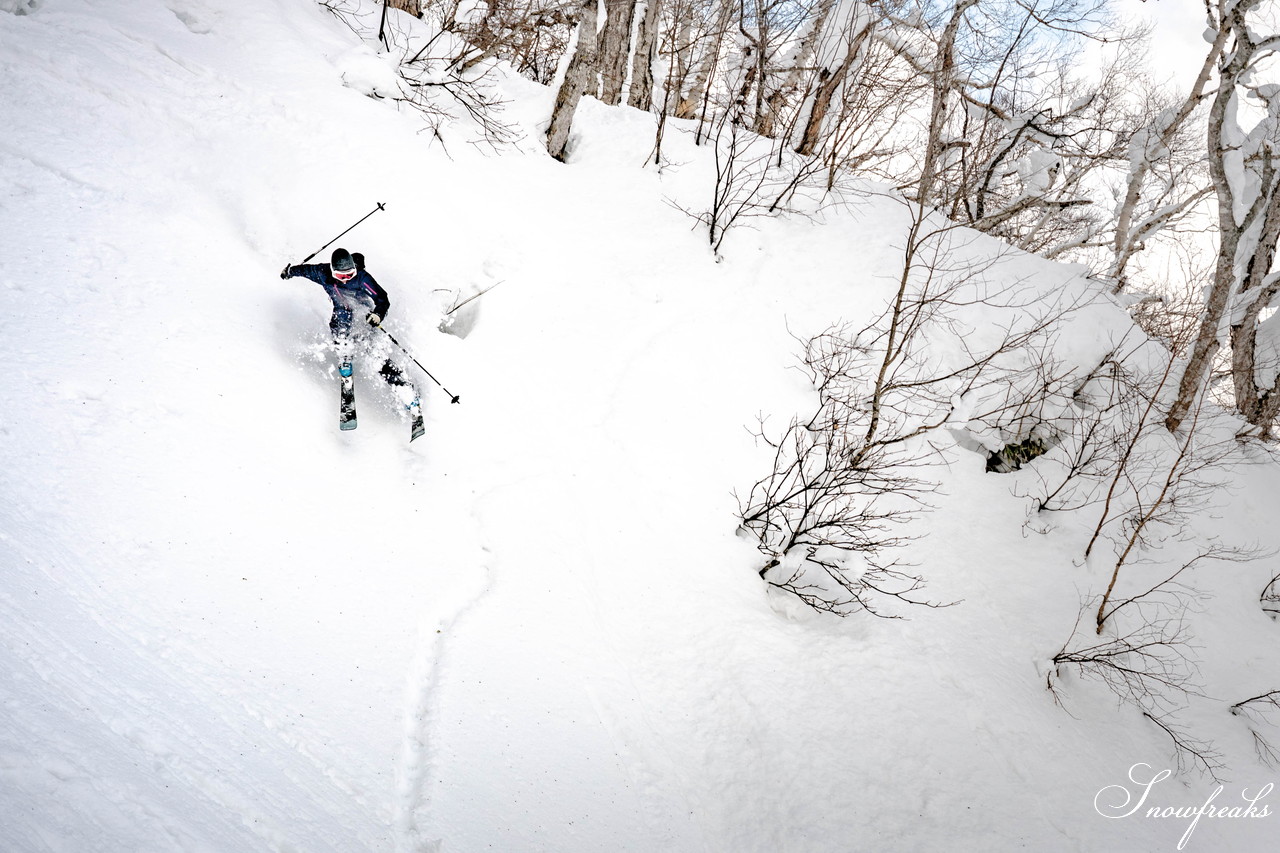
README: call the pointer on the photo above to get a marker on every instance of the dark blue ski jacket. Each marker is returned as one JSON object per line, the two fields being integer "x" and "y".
{"x": 346, "y": 296}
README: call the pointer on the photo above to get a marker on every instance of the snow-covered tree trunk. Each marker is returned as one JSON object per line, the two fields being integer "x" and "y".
{"x": 1256, "y": 380}
{"x": 853, "y": 32}
{"x": 641, "y": 93}
{"x": 761, "y": 56}
{"x": 676, "y": 47}
{"x": 579, "y": 78}
{"x": 942, "y": 82}
{"x": 692, "y": 99}
{"x": 1242, "y": 168}
{"x": 1254, "y": 367}
{"x": 615, "y": 48}
{"x": 798, "y": 65}
{"x": 413, "y": 7}
{"x": 681, "y": 39}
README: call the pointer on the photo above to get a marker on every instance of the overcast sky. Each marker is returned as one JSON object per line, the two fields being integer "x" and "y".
{"x": 1177, "y": 44}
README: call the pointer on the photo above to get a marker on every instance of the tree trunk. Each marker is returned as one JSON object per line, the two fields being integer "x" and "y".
{"x": 1231, "y": 228}
{"x": 779, "y": 99}
{"x": 744, "y": 92}
{"x": 641, "y": 94}
{"x": 690, "y": 102}
{"x": 1257, "y": 289}
{"x": 682, "y": 41}
{"x": 942, "y": 83}
{"x": 1206, "y": 344}
{"x": 828, "y": 84}
{"x": 615, "y": 49}
{"x": 579, "y": 77}
{"x": 413, "y": 7}
{"x": 762, "y": 64}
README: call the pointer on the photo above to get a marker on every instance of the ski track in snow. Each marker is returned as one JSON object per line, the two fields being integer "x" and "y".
{"x": 413, "y": 830}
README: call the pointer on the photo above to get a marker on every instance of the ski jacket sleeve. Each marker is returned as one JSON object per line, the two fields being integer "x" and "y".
{"x": 381, "y": 302}
{"x": 340, "y": 322}
{"x": 315, "y": 272}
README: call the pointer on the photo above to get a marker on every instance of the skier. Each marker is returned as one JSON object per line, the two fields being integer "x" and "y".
{"x": 351, "y": 288}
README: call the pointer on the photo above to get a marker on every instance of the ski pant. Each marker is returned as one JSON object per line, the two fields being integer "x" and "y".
{"x": 348, "y": 345}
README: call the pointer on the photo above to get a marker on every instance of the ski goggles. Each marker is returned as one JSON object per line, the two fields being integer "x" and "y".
{"x": 344, "y": 275}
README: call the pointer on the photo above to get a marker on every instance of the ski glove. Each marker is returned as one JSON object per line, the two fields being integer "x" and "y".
{"x": 288, "y": 268}
{"x": 373, "y": 320}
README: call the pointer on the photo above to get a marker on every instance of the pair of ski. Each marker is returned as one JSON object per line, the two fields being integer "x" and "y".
{"x": 347, "y": 406}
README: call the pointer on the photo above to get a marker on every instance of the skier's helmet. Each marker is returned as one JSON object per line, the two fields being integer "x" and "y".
{"x": 344, "y": 267}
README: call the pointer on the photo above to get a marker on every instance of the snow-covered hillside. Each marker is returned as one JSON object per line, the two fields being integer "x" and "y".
{"x": 227, "y": 626}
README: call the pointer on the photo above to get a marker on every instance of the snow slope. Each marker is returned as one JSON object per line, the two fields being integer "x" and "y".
{"x": 228, "y": 626}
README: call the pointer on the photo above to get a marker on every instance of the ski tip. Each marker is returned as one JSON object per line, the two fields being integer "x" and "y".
{"x": 347, "y": 425}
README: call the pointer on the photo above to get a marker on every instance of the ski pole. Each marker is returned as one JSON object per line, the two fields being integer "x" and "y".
{"x": 380, "y": 206}
{"x": 453, "y": 397}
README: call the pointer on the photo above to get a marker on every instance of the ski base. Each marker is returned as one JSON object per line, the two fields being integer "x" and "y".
{"x": 347, "y": 404}
{"x": 416, "y": 427}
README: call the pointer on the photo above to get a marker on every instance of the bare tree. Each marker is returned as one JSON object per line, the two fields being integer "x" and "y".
{"x": 1247, "y": 186}
{"x": 1146, "y": 487}
{"x": 579, "y": 78}
{"x": 1116, "y": 459}
{"x": 844, "y": 478}
{"x": 742, "y": 174}
{"x": 784, "y": 85}
{"x": 680, "y": 38}
{"x": 438, "y": 75}
{"x": 1016, "y": 142}
{"x": 825, "y": 515}
{"x": 1270, "y": 598}
{"x": 944, "y": 81}
{"x": 530, "y": 34}
{"x": 860, "y": 130}
{"x": 1149, "y": 666}
{"x": 1257, "y": 711}
{"x": 1161, "y": 161}
{"x": 694, "y": 91}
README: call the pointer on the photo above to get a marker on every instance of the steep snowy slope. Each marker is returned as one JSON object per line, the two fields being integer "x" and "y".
{"x": 228, "y": 626}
